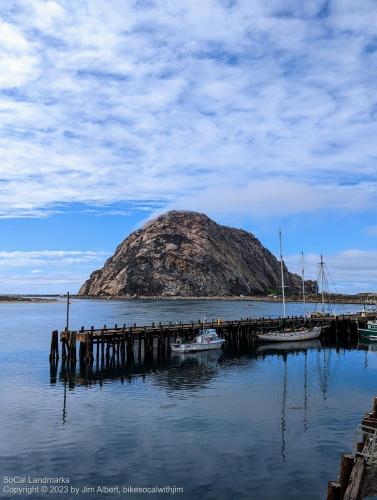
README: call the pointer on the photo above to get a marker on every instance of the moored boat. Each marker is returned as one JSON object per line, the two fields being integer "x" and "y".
{"x": 370, "y": 331}
{"x": 206, "y": 340}
{"x": 291, "y": 334}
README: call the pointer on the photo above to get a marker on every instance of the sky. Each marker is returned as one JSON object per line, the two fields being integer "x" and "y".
{"x": 261, "y": 114}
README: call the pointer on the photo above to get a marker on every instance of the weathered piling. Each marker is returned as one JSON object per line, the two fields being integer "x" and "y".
{"x": 352, "y": 483}
{"x": 54, "y": 349}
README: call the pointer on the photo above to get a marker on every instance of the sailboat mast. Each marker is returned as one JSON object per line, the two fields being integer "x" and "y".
{"x": 67, "y": 315}
{"x": 322, "y": 283}
{"x": 282, "y": 272}
{"x": 303, "y": 280}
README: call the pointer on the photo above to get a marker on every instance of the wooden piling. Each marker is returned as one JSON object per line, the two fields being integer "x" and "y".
{"x": 97, "y": 353}
{"x": 353, "y": 469}
{"x": 374, "y": 409}
{"x": 333, "y": 491}
{"x": 345, "y": 470}
{"x": 82, "y": 352}
{"x": 54, "y": 348}
{"x": 353, "y": 490}
{"x": 102, "y": 342}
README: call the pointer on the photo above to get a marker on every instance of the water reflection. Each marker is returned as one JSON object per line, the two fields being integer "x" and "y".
{"x": 191, "y": 371}
{"x": 182, "y": 371}
{"x": 284, "y": 409}
{"x": 288, "y": 347}
{"x": 306, "y": 396}
{"x": 367, "y": 346}
{"x": 179, "y": 371}
{"x": 297, "y": 369}
{"x": 323, "y": 367}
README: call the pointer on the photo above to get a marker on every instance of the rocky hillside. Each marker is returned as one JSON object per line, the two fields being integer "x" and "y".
{"x": 187, "y": 254}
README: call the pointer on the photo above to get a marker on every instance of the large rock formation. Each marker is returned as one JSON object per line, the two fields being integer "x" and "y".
{"x": 187, "y": 254}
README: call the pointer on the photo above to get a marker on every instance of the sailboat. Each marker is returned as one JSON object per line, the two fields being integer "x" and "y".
{"x": 323, "y": 281}
{"x": 289, "y": 334}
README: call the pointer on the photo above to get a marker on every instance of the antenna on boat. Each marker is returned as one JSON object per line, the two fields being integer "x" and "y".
{"x": 67, "y": 321}
{"x": 282, "y": 271}
{"x": 303, "y": 280}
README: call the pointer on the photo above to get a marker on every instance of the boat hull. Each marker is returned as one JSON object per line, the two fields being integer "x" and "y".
{"x": 367, "y": 333}
{"x": 196, "y": 347}
{"x": 294, "y": 336}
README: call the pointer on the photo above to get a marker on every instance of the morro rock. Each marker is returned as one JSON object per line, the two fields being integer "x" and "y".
{"x": 183, "y": 253}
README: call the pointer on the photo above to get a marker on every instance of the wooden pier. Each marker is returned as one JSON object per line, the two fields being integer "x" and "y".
{"x": 121, "y": 344}
{"x": 358, "y": 471}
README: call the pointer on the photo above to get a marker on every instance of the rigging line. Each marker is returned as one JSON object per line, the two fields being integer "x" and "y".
{"x": 334, "y": 286}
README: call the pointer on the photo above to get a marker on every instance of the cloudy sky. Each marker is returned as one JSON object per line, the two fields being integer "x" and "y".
{"x": 260, "y": 113}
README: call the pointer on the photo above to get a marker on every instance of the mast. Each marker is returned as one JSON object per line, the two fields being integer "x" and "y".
{"x": 303, "y": 280}
{"x": 67, "y": 322}
{"x": 282, "y": 272}
{"x": 322, "y": 282}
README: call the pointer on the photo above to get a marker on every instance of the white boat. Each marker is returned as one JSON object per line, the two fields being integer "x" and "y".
{"x": 290, "y": 334}
{"x": 206, "y": 340}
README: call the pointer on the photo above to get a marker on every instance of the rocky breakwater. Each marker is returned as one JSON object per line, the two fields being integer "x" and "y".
{"x": 185, "y": 254}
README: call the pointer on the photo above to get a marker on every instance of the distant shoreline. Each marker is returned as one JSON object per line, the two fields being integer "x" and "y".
{"x": 252, "y": 298}
{"x": 334, "y": 299}
{"x": 21, "y": 298}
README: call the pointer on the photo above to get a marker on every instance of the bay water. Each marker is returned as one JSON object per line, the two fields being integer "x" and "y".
{"x": 269, "y": 423}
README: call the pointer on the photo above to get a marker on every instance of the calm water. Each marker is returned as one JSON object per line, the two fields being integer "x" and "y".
{"x": 267, "y": 424}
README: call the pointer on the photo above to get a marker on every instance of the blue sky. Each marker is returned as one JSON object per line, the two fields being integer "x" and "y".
{"x": 261, "y": 114}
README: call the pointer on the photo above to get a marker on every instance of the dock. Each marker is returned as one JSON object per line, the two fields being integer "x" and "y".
{"x": 118, "y": 345}
{"x": 358, "y": 471}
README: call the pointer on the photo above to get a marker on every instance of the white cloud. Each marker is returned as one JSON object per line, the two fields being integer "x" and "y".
{"x": 275, "y": 197}
{"x": 18, "y": 63}
{"x": 349, "y": 271}
{"x": 47, "y": 271}
{"x": 53, "y": 282}
{"x": 109, "y": 101}
{"x": 46, "y": 14}
{"x": 49, "y": 258}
